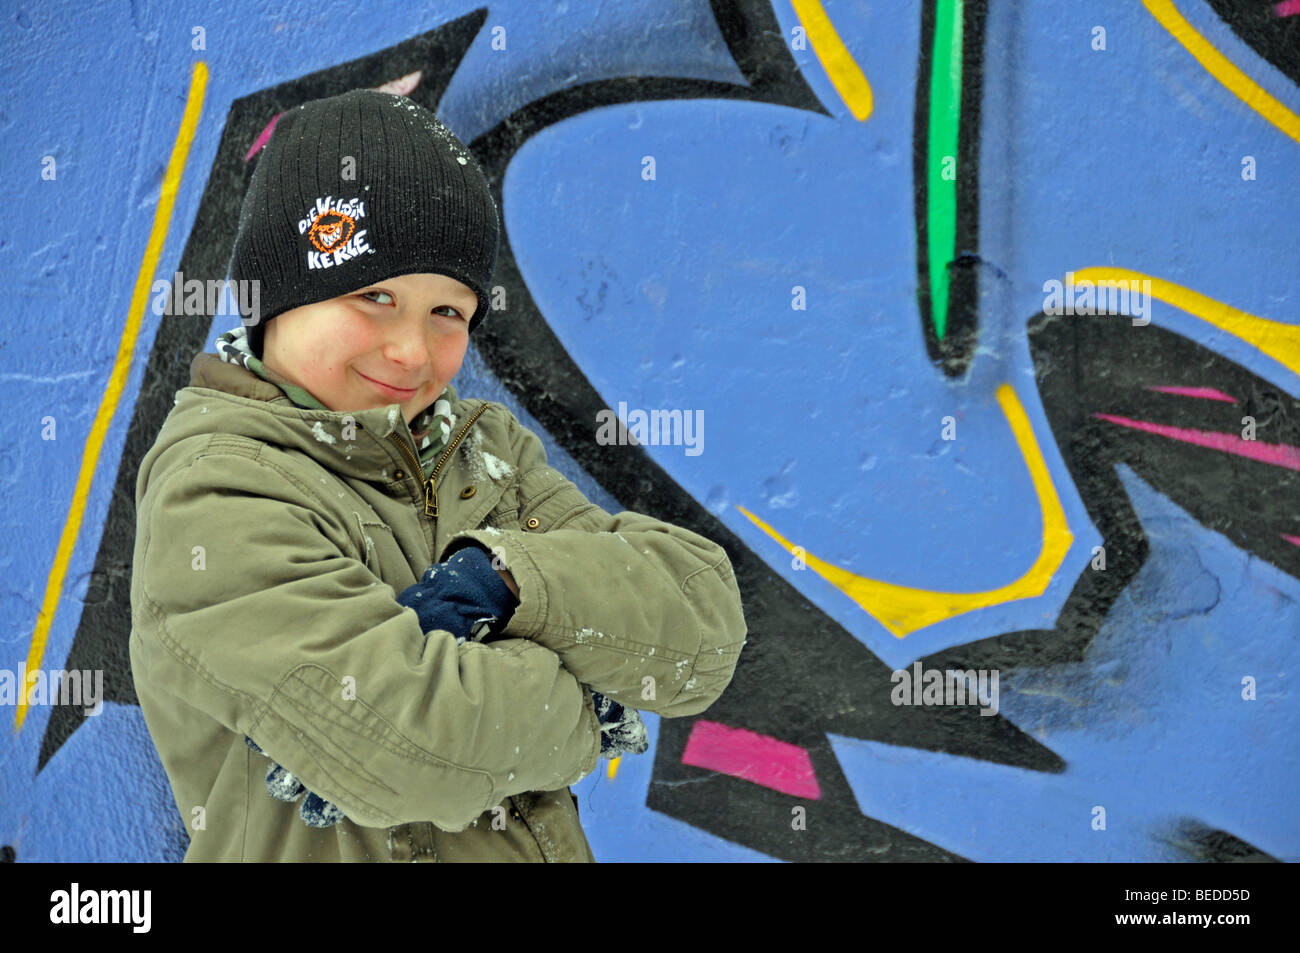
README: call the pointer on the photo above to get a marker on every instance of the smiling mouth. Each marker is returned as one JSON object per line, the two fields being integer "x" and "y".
{"x": 403, "y": 390}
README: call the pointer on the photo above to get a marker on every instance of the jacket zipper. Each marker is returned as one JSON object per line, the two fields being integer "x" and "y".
{"x": 430, "y": 484}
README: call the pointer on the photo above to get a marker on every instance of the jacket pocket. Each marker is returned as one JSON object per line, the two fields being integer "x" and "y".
{"x": 505, "y": 515}
{"x": 551, "y": 500}
{"x": 380, "y": 552}
{"x": 489, "y": 506}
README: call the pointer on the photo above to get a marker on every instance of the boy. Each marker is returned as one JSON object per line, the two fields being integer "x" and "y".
{"x": 370, "y": 623}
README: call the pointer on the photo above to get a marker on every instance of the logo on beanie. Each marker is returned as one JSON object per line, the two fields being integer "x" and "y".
{"x": 331, "y": 226}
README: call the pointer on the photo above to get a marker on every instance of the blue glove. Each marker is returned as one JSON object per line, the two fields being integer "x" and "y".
{"x": 621, "y": 729}
{"x": 315, "y": 811}
{"x": 463, "y": 595}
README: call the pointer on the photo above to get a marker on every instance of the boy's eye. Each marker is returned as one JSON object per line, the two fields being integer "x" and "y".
{"x": 367, "y": 295}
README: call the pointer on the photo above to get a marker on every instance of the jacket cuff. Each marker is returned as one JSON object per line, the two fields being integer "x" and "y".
{"x": 529, "y": 616}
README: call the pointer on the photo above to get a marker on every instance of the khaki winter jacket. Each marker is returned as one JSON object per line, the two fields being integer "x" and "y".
{"x": 271, "y": 543}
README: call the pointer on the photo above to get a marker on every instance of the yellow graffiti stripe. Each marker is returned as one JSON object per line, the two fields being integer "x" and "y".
{"x": 843, "y": 72}
{"x": 116, "y": 382}
{"x": 613, "y": 767}
{"x": 1218, "y": 65}
{"x": 1278, "y": 340}
{"x": 904, "y": 609}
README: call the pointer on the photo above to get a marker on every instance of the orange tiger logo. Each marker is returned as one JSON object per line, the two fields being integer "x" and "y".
{"x": 332, "y": 230}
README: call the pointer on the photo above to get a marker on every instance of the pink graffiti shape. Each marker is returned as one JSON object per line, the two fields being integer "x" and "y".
{"x": 403, "y": 85}
{"x": 263, "y": 137}
{"x": 400, "y": 86}
{"x": 1209, "y": 393}
{"x": 1293, "y": 540}
{"x": 1287, "y": 8}
{"x": 745, "y": 754}
{"x": 1276, "y": 454}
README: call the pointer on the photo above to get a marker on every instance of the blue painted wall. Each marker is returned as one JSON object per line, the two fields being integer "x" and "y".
{"x": 675, "y": 292}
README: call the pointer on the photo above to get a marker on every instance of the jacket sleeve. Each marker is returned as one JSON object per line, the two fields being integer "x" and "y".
{"x": 272, "y": 629}
{"x": 641, "y": 610}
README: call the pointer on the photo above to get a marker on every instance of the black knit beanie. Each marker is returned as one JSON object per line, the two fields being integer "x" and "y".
{"x": 353, "y": 190}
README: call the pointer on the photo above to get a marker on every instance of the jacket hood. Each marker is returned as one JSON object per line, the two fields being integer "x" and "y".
{"x": 227, "y": 398}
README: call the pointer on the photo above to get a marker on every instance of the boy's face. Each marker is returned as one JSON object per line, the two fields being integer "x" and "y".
{"x": 407, "y": 332}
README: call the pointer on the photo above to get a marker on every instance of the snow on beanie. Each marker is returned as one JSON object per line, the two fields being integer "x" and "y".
{"x": 353, "y": 190}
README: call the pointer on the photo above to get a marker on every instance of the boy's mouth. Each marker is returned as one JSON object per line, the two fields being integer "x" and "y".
{"x": 389, "y": 388}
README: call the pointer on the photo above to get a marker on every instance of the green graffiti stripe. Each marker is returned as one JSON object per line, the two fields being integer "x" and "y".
{"x": 945, "y": 115}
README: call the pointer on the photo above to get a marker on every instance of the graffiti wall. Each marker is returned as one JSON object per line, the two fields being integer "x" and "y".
{"x": 981, "y": 319}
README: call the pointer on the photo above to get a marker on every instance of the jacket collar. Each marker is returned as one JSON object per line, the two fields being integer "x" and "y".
{"x": 226, "y": 397}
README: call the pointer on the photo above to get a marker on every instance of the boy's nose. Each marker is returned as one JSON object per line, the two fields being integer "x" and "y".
{"x": 406, "y": 348}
